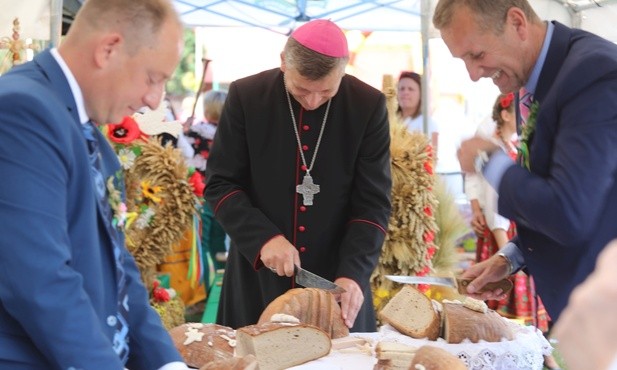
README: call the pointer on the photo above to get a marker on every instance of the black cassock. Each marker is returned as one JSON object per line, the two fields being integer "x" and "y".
{"x": 254, "y": 168}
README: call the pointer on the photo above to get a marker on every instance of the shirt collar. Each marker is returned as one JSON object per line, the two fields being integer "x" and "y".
{"x": 535, "y": 73}
{"x": 75, "y": 89}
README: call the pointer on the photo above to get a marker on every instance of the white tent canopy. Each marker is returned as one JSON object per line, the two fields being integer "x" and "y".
{"x": 282, "y": 16}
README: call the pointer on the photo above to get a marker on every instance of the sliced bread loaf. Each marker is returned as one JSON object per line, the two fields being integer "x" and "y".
{"x": 311, "y": 306}
{"x": 412, "y": 313}
{"x": 462, "y": 323}
{"x": 278, "y": 346}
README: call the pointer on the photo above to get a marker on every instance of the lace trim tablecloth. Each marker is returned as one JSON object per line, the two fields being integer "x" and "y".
{"x": 525, "y": 352}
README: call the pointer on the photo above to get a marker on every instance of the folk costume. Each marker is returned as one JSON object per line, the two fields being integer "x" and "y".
{"x": 253, "y": 172}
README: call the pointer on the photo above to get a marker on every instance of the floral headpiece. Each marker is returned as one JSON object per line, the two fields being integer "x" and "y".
{"x": 506, "y": 100}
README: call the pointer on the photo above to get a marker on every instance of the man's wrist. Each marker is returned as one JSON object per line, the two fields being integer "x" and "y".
{"x": 508, "y": 262}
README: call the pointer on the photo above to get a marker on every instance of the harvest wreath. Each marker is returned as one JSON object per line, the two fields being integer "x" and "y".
{"x": 410, "y": 241}
{"x": 160, "y": 206}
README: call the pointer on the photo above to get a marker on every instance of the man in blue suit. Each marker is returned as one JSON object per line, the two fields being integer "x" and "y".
{"x": 563, "y": 197}
{"x": 70, "y": 293}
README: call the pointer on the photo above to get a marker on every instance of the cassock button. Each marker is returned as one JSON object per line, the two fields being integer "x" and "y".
{"x": 302, "y": 208}
{"x": 303, "y": 168}
{"x": 301, "y": 229}
{"x": 111, "y": 320}
{"x": 302, "y": 249}
{"x": 306, "y": 127}
{"x": 305, "y": 147}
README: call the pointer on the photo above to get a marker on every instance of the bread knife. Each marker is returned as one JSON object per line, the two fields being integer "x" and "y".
{"x": 309, "y": 280}
{"x": 457, "y": 283}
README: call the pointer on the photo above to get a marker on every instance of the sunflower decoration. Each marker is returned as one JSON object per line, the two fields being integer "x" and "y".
{"x": 161, "y": 201}
{"x": 409, "y": 245}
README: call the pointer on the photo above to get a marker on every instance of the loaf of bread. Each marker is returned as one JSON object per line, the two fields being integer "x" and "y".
{"x": 278, "y": 346}
{"x": 434, "y": 358}
{"x": 200, "y": 344}
{"x": 248, "y": 362}
{"x": 462, "y": 323}
{"x": 311, "y": 306}
{"x": 412, "y": 313}
{"x": 393, "y": 356}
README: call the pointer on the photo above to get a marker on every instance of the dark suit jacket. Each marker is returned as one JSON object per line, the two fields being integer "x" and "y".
{"x": 253, "y": 170}
{"x": 58, "y": 292}
{"x": 566, "y": 207}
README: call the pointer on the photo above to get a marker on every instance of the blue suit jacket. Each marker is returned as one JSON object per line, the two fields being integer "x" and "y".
{"x": 566, "y": 207}
{"x": 58, "y": 292}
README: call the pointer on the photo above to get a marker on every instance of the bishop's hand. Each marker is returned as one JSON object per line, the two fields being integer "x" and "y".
{"x": 280, "y": 256}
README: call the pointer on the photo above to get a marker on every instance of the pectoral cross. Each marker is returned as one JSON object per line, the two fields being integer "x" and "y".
{"x": 307, "y": 189}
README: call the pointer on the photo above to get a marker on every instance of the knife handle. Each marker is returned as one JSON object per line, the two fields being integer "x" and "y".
{"x": 505, "y": 285}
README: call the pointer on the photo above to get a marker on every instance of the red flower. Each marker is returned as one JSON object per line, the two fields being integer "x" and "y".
{"x": 429, "y": 236}
{"x": 428, "y": 211}
{"x": 428, "y": 166}
{"x": 124, "y": 132}
{"x": 506, "y": 100}
{"x": 197, "y": 181}
{"x": 429, "y": 151}
{"x": 205, "y": 154}
{"x": 161, "y": 295}
{"x": 430, "y": 252}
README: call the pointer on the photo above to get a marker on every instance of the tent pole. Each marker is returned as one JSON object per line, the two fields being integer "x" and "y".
{"x": 425, "y": 8}
{"x": 55, "y": 22}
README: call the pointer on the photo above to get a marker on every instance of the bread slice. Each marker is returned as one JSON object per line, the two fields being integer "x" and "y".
{"x": 394, "y": 356}
{"x": 311, "y": 306}
{"x": 462, "y": 323}
{"x": 412, "y": 313}
{"x": 200, "y": 344}
{"x": 278, "y": 346}
{"x": 434, "y": 358}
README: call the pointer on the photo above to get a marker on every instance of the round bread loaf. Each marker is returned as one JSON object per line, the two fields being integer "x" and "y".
{"x": 434, "y": 358}
{"x": 412, "y": 313}
{"x": 200, "y": 344}
{"x": 462, "y": 323}
{"x": 311, "y": 306}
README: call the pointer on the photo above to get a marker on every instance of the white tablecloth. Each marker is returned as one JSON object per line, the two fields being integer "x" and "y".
{"x": 524, "y": 352}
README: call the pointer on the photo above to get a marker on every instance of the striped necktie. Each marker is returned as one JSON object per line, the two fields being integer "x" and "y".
{"x": 120, "y": 341}
{"x": 525, "y": 102}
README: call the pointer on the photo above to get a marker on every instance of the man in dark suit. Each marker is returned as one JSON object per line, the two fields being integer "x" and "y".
{"x": 563, "y": 196}
{"x": 71, "y": 296}
{"x": 304, "y": 123}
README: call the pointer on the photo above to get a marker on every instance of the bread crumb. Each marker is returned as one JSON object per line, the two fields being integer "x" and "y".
{"x": 475, "y": 304}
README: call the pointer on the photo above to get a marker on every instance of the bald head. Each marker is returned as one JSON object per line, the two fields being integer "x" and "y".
{"x": 137, "y": 20}
{"x": 122, "y": 52}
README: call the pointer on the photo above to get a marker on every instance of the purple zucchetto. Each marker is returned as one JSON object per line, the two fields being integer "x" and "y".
{"x": 322, "y": 36}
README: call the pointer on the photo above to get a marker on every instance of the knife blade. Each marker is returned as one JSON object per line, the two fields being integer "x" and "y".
{"x": 309, "y": 280}
{"x": 458, "y": 283}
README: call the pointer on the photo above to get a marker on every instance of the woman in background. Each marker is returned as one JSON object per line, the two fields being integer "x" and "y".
{"x": 409, "y": 96}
